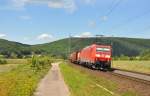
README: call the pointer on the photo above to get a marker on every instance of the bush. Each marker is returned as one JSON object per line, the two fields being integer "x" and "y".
{"x": 145, "y": 55}
{"x": 3, "y": 61}
{"x": 123, "y": 57}
{"x": 1, "y": 56}
{"x": 39, "y": 63}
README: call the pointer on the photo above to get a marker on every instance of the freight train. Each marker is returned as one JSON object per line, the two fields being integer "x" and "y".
{"x": 94, "y": 56}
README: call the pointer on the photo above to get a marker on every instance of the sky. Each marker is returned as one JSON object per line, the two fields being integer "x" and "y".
{"x": 42, "y": 21}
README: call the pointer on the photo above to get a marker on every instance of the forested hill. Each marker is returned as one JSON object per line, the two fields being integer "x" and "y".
{"x": 125, "y": 46}
{"x": 10, "y": 47}
{"x": 121, "y": 46}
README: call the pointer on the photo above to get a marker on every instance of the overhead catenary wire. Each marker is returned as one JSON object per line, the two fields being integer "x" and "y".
{"x": 131, "y": 19}
{"x": 113, "y": 7}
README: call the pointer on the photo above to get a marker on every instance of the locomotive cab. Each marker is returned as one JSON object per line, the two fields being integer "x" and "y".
{"x": 103, "y": 57}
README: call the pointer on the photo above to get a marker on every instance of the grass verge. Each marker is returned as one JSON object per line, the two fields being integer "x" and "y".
{"x": 137, "y": 66}
{"x": 83, "y": 84}
{"x": 21, "y": 81}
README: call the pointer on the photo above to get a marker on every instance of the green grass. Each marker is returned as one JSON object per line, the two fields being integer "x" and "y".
{"x": 81, "y": 83}
{"x": 11, "y": 64}
{"x": 16, "y": 61}
{"x": 7, "y": 67}
{"x": 20, "y": 81}
{"x": 137, "y": 66}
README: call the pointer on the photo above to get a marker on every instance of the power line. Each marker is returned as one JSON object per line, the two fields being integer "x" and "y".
{"x": 113, "y": 7}
{"x": 131, "y": 19}
{"x": 69, "y": 45}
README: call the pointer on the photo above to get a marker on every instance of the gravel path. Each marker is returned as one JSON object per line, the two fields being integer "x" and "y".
{"x": 52, "y": 84}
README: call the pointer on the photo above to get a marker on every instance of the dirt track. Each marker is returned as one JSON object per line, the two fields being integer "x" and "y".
{"x": 52, "y": 84}
{"x": 124, "y": 84}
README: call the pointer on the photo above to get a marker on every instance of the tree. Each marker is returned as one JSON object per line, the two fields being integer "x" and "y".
{"x": 145, "y": 55}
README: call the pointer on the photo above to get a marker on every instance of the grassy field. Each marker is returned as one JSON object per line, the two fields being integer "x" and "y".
{"x": 7, "y": 67}
{"x": 17, "y": 61}
{"x": 81, "y": 83}
{"x": 21, "y": 80}
{"x": 137, "y": 66}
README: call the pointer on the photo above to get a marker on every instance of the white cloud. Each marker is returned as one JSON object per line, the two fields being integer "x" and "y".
{"x": 56, "y": 4}
{"x": 19, "y": 3}
{"x": 89, "y": 1}
{"x": 68, "y": 5}
{"x": 2, "y": 36}
{"x": 44, "y": 36}
{"x": 25, "y": 17}
{"x": 84, "y": 34}
{"x": 92, "y": 24}
{"x": 104, "y": 18}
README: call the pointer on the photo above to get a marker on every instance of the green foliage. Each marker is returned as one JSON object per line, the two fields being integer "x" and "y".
{"x": 123, "y": 57}
{"x": 145, "y": 55}
{"x": 13, "y": 55}
{"x": 2, "y": 61}
{"x": 127, "y": 46}
{"x": 23, "y": 80}
{"x": 38, "y": 63}
{"x": 130, "y": 47}
{"x": 1, "y": 56}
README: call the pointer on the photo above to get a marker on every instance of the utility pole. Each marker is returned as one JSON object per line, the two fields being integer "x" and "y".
{"x": 98, "y": 36}
{"x": 112, "y": 53}
{"x": 69, "y": 45}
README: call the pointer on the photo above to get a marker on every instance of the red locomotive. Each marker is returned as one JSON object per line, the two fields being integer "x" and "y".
{"x": 94, "y": 56}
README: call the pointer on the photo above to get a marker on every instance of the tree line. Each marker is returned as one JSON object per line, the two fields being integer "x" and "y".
{"x": 144, "y": 55}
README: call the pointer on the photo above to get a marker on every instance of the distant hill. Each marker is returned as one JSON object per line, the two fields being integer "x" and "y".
{"x": 121, "y": 46}
{"x": 7, "y": 47}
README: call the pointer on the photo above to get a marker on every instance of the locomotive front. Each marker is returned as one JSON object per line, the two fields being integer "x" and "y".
{"x": 103, "y": 56}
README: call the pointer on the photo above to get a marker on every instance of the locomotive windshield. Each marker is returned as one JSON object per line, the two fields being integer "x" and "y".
{"x": 102, "y": 49}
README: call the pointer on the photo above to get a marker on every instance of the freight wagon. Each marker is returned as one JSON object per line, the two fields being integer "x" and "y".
{"x": 74, "y": 57}
{"x": 94, "y": 56}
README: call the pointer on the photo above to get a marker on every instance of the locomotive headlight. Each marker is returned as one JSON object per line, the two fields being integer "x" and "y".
{"x": 97, "y": 55}
{"x": 107, "y": 56}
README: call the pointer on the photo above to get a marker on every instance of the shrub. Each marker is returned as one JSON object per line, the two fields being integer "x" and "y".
{"x": 39, "y": 63}
{"x": 3, "y": 61}
{"x": 1, "y": 56}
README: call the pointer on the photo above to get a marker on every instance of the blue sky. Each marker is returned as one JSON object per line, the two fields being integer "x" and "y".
{"x": 41, "y": 21}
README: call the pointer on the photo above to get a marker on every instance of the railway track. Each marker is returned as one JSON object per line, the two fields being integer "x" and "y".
{"x": 140, "y": 77}
{"x": 132, "y": 75}
{"x": 123, "y": 81}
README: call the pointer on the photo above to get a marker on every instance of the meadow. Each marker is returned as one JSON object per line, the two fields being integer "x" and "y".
{"x": 7, "y": 67}
{"x": 17, "y": 61}
{"x": 137, "y": 66}
{"x": 82, "y": 83}
{"x": 21, "y": 77}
